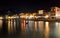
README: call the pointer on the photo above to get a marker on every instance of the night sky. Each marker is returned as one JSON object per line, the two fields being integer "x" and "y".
{"x": 28, "y": 6}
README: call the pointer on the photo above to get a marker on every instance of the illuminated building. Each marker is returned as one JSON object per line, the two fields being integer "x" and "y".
{"x": 55, "y": 11}
{"x": 40, "y": 11}
{"x": 41, "y": 14}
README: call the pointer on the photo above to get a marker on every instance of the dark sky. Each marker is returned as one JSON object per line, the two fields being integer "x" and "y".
{"x": 26, "y": 5}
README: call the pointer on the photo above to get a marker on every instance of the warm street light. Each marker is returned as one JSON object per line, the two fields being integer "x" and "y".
{"x": 46, "y": 16}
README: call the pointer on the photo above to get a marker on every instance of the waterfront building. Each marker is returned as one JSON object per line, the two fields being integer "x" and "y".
{"x": 40, "y": 14}
{"x": 55, "y": 11}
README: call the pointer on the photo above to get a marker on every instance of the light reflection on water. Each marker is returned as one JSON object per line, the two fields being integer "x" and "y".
{"x": 41, "y": 26}
{"x": 1, "y": 22}
{"x": 33, "y": 29}
{"x": 35, "y": 26}
{"x": 23, "y": 25}
{"x": 47, "y": 30}
{"x": 57, "y": 29}
{"x": 11, "y": 26}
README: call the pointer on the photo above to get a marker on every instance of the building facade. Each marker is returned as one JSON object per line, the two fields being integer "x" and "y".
{"x": 55, "y": 12}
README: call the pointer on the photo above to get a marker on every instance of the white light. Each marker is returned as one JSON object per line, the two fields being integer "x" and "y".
{"x": 46, "y": 16}
{"x": 57, "y": 23}
{"x": 1, "y": 17}
{"x": 47, "y": 23}
{"x": 58, "y": 15}
{"x": 9, "y": 17}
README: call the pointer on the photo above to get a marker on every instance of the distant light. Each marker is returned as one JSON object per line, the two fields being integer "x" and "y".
{"x": 9, "y": 17}
{"x": 47, "y": 23}
{"x": 1, "y": 17}
{"x": 58, "y": 15}
{"x": 56, "y": 23}
{"x": 46, "y": 16}
{"x": 31, "y": 17}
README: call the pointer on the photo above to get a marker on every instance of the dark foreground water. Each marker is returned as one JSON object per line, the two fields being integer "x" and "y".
{"x": 29, "y": 29}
